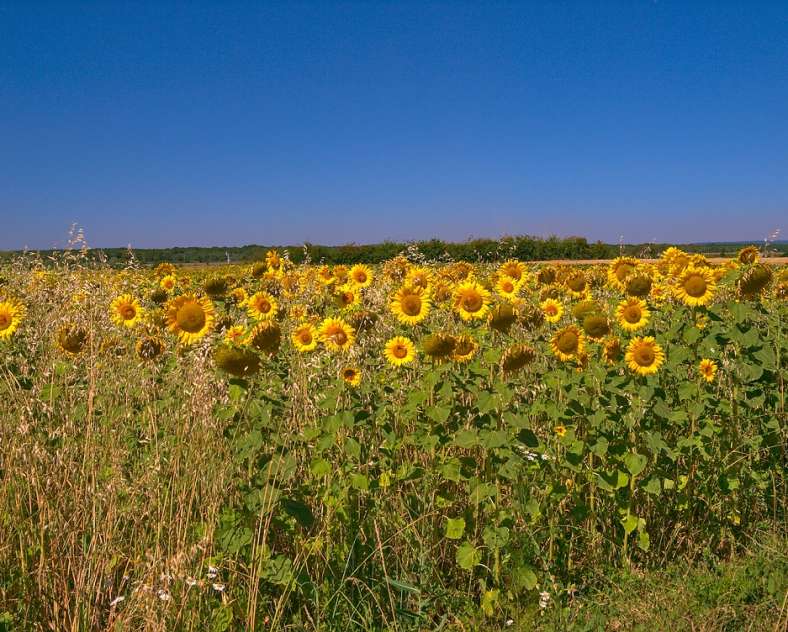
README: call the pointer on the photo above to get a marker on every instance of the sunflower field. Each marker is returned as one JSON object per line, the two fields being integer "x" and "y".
{"x": 411, "y": 445}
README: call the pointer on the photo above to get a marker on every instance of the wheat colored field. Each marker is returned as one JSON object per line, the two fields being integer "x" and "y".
{"x": 406, "y": 446}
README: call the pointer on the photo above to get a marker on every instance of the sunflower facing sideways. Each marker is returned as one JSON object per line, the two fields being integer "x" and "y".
{"x": 399, "y": 350}
{"x": 644, "y": 356}
{"x": 126, "y": 311}
{"x": 465, "y": 349}
{"x": 261, "y": 306}
{"x": 410, "y": 305}
{"x": 304, "y": 338}
{"x": 632, "y": 314}
{"x": 11, "y": 315}
{"x": 190, "y": 317}
{"x": 695, "y": 286}
{"x": 336, "y": 334}
{"x": 568, "y": 343}
{"x": 471, "y": 301}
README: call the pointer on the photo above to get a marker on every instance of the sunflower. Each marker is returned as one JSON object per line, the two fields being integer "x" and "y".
{"x": 149, "y": 348}
{"x": 552, "y": 309}
{"x": 546, "y": 276}
{"x": 399, "y": 350}
{"x": 347, "y": 296}
{"x": 439, "y": 346}
{"x": 611, "y": 350}
{"x": 507, "y": 286}
{"x": 237, "y": 362}
{"x": 265, "y": 336}
{"x": 238, "y": 296}
{"x": 360, "y": 275}
{"x": 596, "y": 326}
{"x": 273, "y": 261}
{"x": 632, "y": 314}
{"x": 708, "y": 369}
{"x": 748, "y": 254}
{"x": 576, "y": 284}
{"x": 516, "y": 357}
{"x": 584, "y": 308}
{"x": 164, "y": 269}
{"x": 261, "y": 306}
{"x": 560, "y": 430}
{"x": 126, "y": 311}
{"x": 304, "y": 338}
{"x": 464, "y": 349}
{"x": 695, "y": 286}
{"x": 618, "y": 271}
{"x": 336, "y": 334}
{"x": 168, "y": 283}
{"x": 502, "y": 317}
{"x": 351, "y": 375}
{"x": 190, "y": 317}
{"x": 410, "y": 305}
{"x": 471, "y": 300}
{"x": 567, "y": 343}
{"x": 215, "y": 287}
{"x": 513, "y": 269}
{"x": 325, "y": 275}
{"x": 419, "y": 277}
{"x": 644, "y": 356}
{"x": 12, "y": 313}
{"x": 754, "y": 280}
{"x": 638, "y": 284}
{"x": 234, "y": 334}
{"x": 71, "y": 339}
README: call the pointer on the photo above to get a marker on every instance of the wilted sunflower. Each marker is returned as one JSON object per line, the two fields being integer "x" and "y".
{"x": 71, "y": 339}
{"x": 471, "y": 300}
{"x": 236, "y": 361}
{"x": 464, "y": 349}
{"x": 584, "y": 308}
{"x": 695, "y": 286}
{"x": 164, "y": 269}
{"x": 531, "y": 317}
{"x": 644, "y": 356}
{"x": 748, "y": 254}
{"x": 304, "y": 338}
{"x": 215, "y": 287}
{"x": 516, "y": 357}
{"x": 754, "y": 280}
{"x": 632, "y": 314}
{"x": 261, "y": 306}
{"x": 439, "y": 346}
{"x": 410, "y": 305}
{"x": 708, "y": 369}
{"x": 568, "y": 343}
{"x": 159, "y": 296}
{"x": 265, "y": 336}
{"x": 12, "y": 313}
{"x": 507, "y": 287}
{"x": 149, "y": 347}
{"x": 552, "y": 309}
{"x": 258, "y": 270}
{"x": 611, "y": 350}
{"x": 126, "y": 311}
{"x": 168, "y": 283}
{"x": 638, "y": 284}
{"x": 190, "y": 317}
{"x": 546, "y": 276}
{"x": 576, "y": 284}
{"x": 502, "y": 317}
{"x": 336, "y": 334}
{"x": 596, "y": 326}
{"x": 351, "y": 375}
{"x": 399, "y": 350}
{"x": 361, "y": 275}
{"x": 618, "y": 271}
{"x": 238, "y": 296}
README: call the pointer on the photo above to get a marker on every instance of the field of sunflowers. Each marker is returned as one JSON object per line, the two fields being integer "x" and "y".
{"x": 413, "y": 445}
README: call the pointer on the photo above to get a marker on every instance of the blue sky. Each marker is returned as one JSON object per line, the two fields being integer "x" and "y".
{"x": 227, "y": 123}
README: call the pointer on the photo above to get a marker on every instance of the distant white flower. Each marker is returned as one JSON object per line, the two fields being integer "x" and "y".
{"x": 218, "y": 587}
{"x": 544, "y": 599}
{"x": 190, "y": 581}
{"x": 116, "y": 601}
{"x": 164, "y": 595}
{"x": 212, "y": 572}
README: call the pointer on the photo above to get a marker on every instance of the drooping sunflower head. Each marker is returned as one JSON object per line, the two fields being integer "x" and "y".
{"x": 644, "y": 356}
{"x": 552, "y": 310}
{"x": 410, "y": 305}
{"x": 149, "y": 348}
{"x": 190, "y": 317}
{"x": 708, "y": 369}
{"x": 360, "y": 275}
{"x": 584, "y": 308}
{"x": 576, "y": 283}
{"x": 351, "y": 375}
{"x": 12, "y": 313}
{"x": 159, "y": 296}
{"x": 695, "y": 286}
{"x": 336, "y": 334}
{"x": 72, "y": 339}
{"x": 363, "y": 320}
{"x": 638, "y": 285}
{"x": 261, "y": 306}
{"x": 471, "y": 300}
{"x": 304, "y": 338}
{"x": 516, "y": 357}
{"x": 126, "y": 311}
{"x": 596, "y": 326}
{"x": 633, "y": 314}
{"x": 265, "y": 336}
{"x": 396, "y": 268}
{"x": 438, "y": 346}
{"x": 546, "y": 275}
{"x": 502, "y": 317}
{"x": 532, "y": 317}
{"x": 215, "y": 287}
{"x": 236, "y": 361}
{"x": 748, "y": 254}
{"x": 611, "y": 350}
{"x": 568, "y": 343}
{"x": 399, "y": 350}
{"x": 464, "y": 349}
{"x": 618, "y": 271}
{"x": 754, "y": 280}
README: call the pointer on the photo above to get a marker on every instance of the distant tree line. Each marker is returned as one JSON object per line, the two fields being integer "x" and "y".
{"x": 525, "y": 248}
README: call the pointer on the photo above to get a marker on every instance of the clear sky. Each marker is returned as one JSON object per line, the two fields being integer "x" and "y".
{"x": 227, "y": 123}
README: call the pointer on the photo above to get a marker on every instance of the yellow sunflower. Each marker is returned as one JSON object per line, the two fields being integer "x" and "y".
{"x": 190, "y": 317}
{"x": 695, "y": 286}
{"x": 304, "y": 338}
{"x": 351, "y": 375}
{"x": 325, "y": 275}
{"x": 513, "y": 269}
{"x": 12, "y": 313}
{"x": 399, "y": 350}
{"x": 708, "y": 369}
{"x": 644, "y": 356}
{"x": 618, "y": 271}
{"x": 611, "y": 350}
{"x": 633, "y": 314}
{"x": 238, "y": 296}
{"x": 410, "y": 305}
{"x": 471, "y": 300}
{"x": 360, "y": 275}
{"x": 748, "y": 254}
{"x": 168, "y": 283}
{"x": 576, "y": 284}
{"x": 126, "y": 311}
{"x": 507, "y": 287}
{"x": 336, "y": 334}
{"x": 347, "y": 296}
{"x": 419, "y": 278}
{"x": 568, "y": 343}
{"x": 552, "y": 309}
{"x": 465, "y": 348}
{"x": 234, "y": 334}
{"x": 261, "y": 306}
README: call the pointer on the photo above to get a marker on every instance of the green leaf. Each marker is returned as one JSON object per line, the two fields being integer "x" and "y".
{"x": 468, "y": 556}
{"x": 299, "y": 510}
{"x": 644, "y": 542}
{"x": 320, "y": 467}
{"x": 455, "y": 528}
{"x": 278, "y": 570}
{"x": 466, "y": 438}
{"x": 360, "y": 482}
{"x": 630, "y": 523}
{"x": 496, "y": 537}
{"x": 493, "y": 438}
{"x": 523, "y": 577}
{"x": 612, "y": 481}
{"x": 635, "y": 463}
